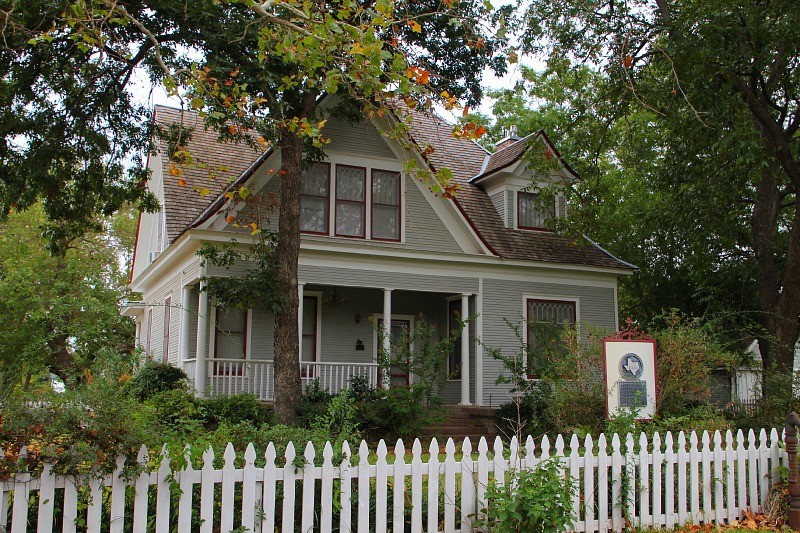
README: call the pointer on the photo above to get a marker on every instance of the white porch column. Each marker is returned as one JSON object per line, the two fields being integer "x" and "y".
{"x": 300, "y": 287}
{"x": 386, "y": 344}
{"x": 465, "y": 350}
{"x": 186, "y": 299}
{"x": 202, "y": 339}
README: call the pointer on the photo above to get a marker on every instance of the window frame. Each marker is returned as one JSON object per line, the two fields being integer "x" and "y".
{"x": 399, "y": 205}
{"x": 334, "y": 195}
{"x": 166, "y": 333}
{"x": 148, "y": 345}
{"x": 327, "y": 198}
{"x": 451, "y": 375}
{"x": 215, "y": 329}
{"x": 520, "y": 196}
{"x": 526, "y": 299}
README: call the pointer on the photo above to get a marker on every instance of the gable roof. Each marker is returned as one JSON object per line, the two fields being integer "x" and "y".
{"x": 465, "y": 159}
{"x": 224, "y": 161}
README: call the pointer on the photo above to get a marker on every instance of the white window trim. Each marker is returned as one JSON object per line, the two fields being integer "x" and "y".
{"x": 412, "y": 325}
{"x": 318, "y": 295}
{"x": 447, "y": 326}
{"x": 167, "y": 322}
{"x": 526, "y": 297}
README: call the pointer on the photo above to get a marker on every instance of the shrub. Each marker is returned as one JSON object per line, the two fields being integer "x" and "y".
{"x": 178, "y": 413}
{"x": 154, "y": 377}
{"x": 313, "y": 404}
{"x": 535, "y": 500}
{"x": 235, "y": 409}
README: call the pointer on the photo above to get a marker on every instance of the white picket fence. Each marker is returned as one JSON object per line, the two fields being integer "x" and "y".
{"x": 662, "y": 482}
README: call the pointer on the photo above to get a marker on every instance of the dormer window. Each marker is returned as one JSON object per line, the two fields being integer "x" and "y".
{"x": 533, "y": 211}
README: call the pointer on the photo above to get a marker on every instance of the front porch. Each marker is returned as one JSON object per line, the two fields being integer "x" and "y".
{"x": 342, "y": 332}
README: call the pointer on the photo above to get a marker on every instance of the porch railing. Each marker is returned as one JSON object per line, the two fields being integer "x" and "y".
{"x": 225, "y": 377}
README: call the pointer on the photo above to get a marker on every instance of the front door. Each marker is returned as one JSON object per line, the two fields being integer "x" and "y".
{"x": 399, "y": 331}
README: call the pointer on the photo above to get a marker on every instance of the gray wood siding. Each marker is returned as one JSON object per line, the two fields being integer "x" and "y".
{"x": 424, "y": 229}
{"x": 504, "y": 300}
{"x": 362, "y": 139}
{"x": 498, "y": 200}
{"x": 156, "y": 299}
{"x": 380, "y": 278}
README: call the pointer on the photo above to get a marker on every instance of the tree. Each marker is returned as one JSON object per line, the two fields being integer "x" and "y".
{"x": 264, "y": 67}
{"x": 715, "y": 84}
{"x": 56, "y": 308}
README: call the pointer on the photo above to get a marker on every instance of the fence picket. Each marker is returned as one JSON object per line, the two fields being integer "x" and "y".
{"x": 683, "y": 515}
{"x": 658, "y": 461}
{"x": 228, "y": 488}
{"x": 730, "y": 486}
{"x": 645, "y": 517}
{"x": 741, "y": 473}
{"x": 719, "y": 515}
{"x": 326, "y": 494}
{"x": 602, "y": 484}
{"x": 707, "y": 509}
{"x": 363, "y": 488}
{"x": 588, "y": 483}
{"x": 186, "y": 481}
{"x": 644, "y": 479}
{"x": 450, "y": 486}
{"x": 669, "y": 481}
{"x": 309, "y": 482}
{"x": 752, "y": 472}
{"x": 249, "y": 489}
{"x": 482, "y": 477}
{"x": 346, "y": 491}
{"x": 694, "y": 477}
{"x": 433, "y": 486}
{"x": 617, "y": 524}
{"x": 116, "y": 517}
{"x": 47, "y": 493}
{"x": 141, "y": 487}
{"x": 399, "y": 486}
{"x": 574, "y": 475}
{"x": 416, "y": 487}
{"x": 163, "y": 493}
{"x": 289, "y": 486}
{"x": 381, "y": 482}
{"x": 269, "y": 489}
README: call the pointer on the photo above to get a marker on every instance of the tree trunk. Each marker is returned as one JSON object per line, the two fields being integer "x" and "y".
{"x": 287, "y": 361}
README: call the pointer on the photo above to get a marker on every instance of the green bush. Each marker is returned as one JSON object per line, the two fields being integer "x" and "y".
{"x": 154, "y": 377}
{"x": 178, "y": 413}
{"x": 236, "y": 409}
{"x": 535, "y": 500}
{"x": 313, "y": 404}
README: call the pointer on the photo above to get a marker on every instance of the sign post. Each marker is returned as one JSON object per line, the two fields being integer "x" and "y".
{"x": 630, "y": 372}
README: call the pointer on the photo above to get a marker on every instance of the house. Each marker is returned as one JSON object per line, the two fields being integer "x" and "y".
{"x": 376, "y": 243}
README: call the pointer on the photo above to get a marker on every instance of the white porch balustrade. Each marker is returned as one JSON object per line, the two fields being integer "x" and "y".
{"x": 236, "y": 376}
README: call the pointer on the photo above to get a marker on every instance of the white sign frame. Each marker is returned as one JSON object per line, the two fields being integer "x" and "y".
{"x": 639, "y": 356}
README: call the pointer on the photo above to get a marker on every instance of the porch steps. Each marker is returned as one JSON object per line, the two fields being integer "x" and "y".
{"x": 465, "y": 421}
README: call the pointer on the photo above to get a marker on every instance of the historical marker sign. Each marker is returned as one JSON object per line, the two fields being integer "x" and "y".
{"x": 630, "y": 368}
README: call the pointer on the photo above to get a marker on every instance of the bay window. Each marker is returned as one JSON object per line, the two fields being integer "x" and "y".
{"x": 385, "y": 205}
{"x": 350, "y": 201}
{"x": 314, "y": 190}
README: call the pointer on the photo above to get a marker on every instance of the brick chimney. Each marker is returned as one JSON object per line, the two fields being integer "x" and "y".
{"x": 510, "y": 138}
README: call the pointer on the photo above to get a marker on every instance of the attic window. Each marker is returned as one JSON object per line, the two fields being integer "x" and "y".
{"x": 533, "y": 211}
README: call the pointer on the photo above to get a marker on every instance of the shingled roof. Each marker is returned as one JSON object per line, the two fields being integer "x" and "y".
{"x": 217, "y": 165}
{"x": 464, "y": 158}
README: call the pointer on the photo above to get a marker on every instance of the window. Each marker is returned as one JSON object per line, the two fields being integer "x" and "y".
{"x": 167, "y": 318}
{"x": 453, "y": 325}
{"x": 309, "y": 345}
{"x": 545, "y": 322}
{"x": 534, "y": 211}
{"x": 385, "y": 205}
{"x": 149, "y": 330}
{"x": 314, "y": 194}
{"x": 350, "y": 201}
{"x": 230, "y": 339}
